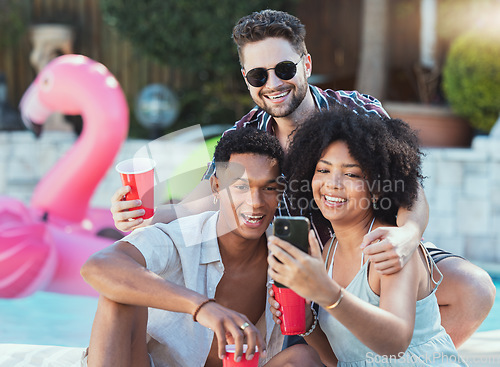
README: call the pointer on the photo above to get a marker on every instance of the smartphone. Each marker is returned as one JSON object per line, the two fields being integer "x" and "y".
{"x": 294, "y": 230}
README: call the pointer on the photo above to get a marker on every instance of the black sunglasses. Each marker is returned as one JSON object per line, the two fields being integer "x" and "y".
{"x": 284, "y": 70}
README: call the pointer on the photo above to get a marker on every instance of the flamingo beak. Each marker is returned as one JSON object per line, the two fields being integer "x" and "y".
{"x": 37, "y": 129}
{"x": 33, "y": 111}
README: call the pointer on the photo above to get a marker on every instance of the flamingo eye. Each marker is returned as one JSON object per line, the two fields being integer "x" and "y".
{"x": 46, "y": 82}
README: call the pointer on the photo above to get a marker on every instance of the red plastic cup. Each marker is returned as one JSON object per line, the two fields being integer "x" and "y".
{"x": 293, "y": 311}
{"x": 138, "y": 173}
{"x": 229, "y": 361}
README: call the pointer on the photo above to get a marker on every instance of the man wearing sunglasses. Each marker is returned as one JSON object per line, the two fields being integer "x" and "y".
{"x": 275, "y": 66}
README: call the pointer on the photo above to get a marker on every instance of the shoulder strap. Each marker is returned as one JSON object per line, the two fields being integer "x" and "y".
{"x": 431, "y": 265}
{"x": 330, "y": 268}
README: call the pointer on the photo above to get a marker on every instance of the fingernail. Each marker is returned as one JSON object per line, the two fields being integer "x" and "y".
{"x": 250, "y": 357}
{"x": 278, "y": 313}
{"x": 138, "y": 202}
{"x": 238, "y": 359}
{"x": 276, "y": 304}
{"x": 222, "y": 356}
{"x": 263, "y": 353}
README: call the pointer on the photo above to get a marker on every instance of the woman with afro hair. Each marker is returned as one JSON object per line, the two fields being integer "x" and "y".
{"x": 354, "y": 171}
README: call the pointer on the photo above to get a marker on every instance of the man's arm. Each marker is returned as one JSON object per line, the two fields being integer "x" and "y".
{"x": 418, "y": 217}
{"x": 397, "y": 244}
{"x": 119, "y": 273}
{"x": 198, "y": 201}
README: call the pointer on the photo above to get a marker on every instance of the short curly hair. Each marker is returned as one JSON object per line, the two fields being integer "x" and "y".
{"x": 248, "y": 140}
{"x": 386, "y": 149}
{"x": 267, "y": 24}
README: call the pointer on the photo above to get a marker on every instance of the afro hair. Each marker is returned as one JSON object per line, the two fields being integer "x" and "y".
{"x": 386, "y": 149}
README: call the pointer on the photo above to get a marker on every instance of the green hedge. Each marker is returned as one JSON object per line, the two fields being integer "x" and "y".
{"x": 471, "y": 77}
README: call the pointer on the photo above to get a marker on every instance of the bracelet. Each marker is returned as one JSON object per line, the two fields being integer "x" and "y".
{"x": 313, "y": 326}
{"x": 333, "y": 305}
{"x": 200, "y": 306}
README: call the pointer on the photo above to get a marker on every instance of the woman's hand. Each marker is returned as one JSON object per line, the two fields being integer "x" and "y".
{"x": 125, "y": 219}
{"x": 390, "y": 248}
{"x": 275, "y": 310}
{"x": 274, "y": 306}
{"x": 231, "y": 327}
{"x": 305, "y": 274}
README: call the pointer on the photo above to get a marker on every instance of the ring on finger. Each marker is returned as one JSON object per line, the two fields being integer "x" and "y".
{"x": 244, "y": 326}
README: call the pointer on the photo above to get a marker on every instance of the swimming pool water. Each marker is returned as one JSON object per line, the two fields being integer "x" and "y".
{"x": 492, "y": 322}
{"x": 58, "y": 319}
{"x": 47, "y": 319}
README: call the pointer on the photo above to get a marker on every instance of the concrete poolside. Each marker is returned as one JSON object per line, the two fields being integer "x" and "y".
{"x": 482, "y": 349}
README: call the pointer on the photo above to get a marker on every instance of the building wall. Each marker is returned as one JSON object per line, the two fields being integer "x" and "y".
{"x": 95, "y": 39}
{"x": 462, "y": 185}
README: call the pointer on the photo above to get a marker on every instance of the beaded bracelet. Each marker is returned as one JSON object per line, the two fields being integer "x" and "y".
{"x": 313, "y": 326}
{"x": 200, "y": 306}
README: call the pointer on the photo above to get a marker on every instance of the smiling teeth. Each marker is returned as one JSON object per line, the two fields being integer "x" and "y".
{"x": 279, "y": 95}
{"x": 335, "y": 199}
{"x": 254, "y": 218}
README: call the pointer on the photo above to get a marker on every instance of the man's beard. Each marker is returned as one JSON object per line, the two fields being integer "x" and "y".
{"x": 298, "y": 95}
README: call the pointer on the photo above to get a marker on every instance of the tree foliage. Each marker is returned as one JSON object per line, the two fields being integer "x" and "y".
{"x": 471, "y": 76}
{"x": 193, "y": 36}
{"x": 189, "y": 34}
{"x": 14, "y": 15}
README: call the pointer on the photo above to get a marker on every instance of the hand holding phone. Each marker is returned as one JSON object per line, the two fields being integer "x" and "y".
{"x": 294, "y": 230}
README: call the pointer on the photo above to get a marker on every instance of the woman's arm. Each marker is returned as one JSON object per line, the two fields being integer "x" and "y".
{"x": 390, "y": 248}
{"x": 387, "y": 329}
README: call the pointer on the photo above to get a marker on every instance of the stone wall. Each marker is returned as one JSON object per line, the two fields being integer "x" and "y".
{"x": 24, "y": 160}
{"x": 463, "y": 190}
{"x": 463, "y": 185}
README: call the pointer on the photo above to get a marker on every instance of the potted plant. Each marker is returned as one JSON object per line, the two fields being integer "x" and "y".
{"x": 436, "y": 125}
{"x": 471, "y": 76}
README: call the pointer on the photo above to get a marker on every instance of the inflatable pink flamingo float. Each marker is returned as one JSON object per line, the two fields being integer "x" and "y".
{"x": 43, "y": 246}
